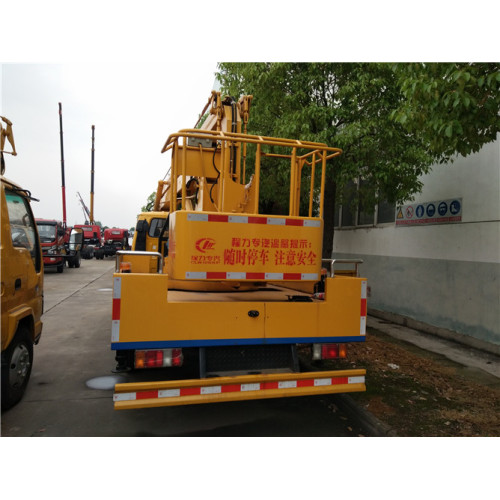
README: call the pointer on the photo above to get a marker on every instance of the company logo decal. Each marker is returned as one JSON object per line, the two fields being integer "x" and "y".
{"x": 205, "y": 244}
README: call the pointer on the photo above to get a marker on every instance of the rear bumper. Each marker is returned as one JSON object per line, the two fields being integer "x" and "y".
{"x": 53, "y": 260}
{"x": 245, "y": 387}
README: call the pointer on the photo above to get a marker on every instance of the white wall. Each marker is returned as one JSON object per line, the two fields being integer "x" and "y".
{"x": 449, "y": 274}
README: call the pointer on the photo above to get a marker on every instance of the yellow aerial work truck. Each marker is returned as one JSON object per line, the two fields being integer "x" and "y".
{"x": 22, "y": 282}
{"x": 219, "y": 298}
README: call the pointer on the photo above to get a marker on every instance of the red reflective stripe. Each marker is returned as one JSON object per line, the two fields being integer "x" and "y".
{"x": 255, "y": 276}
{"x": 363, "y": 307}
{"x": 340, "y": 380}
{"x": 305, "y": 383}
{"x": 218, "y": 218}
{"x": 146, "y": 394}
{"x": 269, "y": 385}
{"x": 294, "y": 222}
{"x": 231, "y": 388}
{"x": 257, "y": 220}
{"x": 190, "y": 391}
{"x": 116, "y": 309}
{"x": 292, "y": 276}
{"x": 196, "y": 391}
{"x": 214, "y": 275}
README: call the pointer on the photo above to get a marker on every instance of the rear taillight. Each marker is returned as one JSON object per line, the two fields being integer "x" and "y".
{"x": 158, "y": 358}
{"x": 177, "y": 357}
{"x": 329, "y": 351}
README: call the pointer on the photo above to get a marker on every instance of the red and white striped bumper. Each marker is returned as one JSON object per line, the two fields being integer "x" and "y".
{"x": 174, "y": 393}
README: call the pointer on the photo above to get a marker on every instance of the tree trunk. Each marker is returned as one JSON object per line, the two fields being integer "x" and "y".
{"x": 329, "y": 219}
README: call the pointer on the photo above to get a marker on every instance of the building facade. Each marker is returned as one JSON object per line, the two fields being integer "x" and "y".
{"x": 436, "y": 260}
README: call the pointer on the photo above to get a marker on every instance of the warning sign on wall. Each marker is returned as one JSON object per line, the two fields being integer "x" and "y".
{"x": 432, "y": 212}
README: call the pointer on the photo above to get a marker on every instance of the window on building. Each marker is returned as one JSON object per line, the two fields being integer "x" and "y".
{"x": 365, "y": 215}
{"x": 386, "y": 212}
{"x": 336, "y": 215}
{"x": 360, "y": 215}
{"x": 348, "y": 211}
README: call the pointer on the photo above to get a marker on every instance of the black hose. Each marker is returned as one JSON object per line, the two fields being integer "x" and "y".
{"x": 218, "y": 173}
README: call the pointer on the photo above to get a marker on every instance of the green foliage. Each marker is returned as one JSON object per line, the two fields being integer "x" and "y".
{"x": 148, "y": 207}
{"x": 393, "y": 121}
{"x": 453, "y": 107}
{"x": 343, "y": 105}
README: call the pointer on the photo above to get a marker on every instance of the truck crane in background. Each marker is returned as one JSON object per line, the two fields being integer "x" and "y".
{"x": 92, "y": 237}
{"x": 60, "y": 243}
{"x": 227, "y": 303}
{"x": 86, "y": 211}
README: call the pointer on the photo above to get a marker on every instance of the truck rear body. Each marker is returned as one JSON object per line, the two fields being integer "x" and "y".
{"x": 237, "y": 294}
{"x": 92, "y": 240}
{"x": 115, "y": 239}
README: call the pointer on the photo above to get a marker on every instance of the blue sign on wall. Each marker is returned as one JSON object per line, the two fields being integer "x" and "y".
{"x": 443, "y": 208}
{"x": 455, "y": 207}
{"x": 448, "y": 211}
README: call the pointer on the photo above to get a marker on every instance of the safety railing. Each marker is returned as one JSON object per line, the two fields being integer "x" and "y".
{"x": 332, "y": 262}
{"x": 315, "y": 153}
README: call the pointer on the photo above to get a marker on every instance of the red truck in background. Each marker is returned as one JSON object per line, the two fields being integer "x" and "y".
{"x": 52, "y": 235}
{"x": 59, "y": 244}
{"x": 92, "y": 241}
{"x": 115, "y": 239}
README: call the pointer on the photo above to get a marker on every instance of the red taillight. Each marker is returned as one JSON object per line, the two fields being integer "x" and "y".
{"x": 157, "y": 358}
{"x": 177, "y": 357}
{"x": 329, "y": 351}
{"x": 154, "y": 359}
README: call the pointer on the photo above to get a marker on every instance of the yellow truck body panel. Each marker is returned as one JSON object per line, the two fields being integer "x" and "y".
{"x": 215, "y": 246}
{"x": 147, "y": 315}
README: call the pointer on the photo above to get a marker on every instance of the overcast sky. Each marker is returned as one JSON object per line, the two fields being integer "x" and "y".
{"x": 134, "y": 108}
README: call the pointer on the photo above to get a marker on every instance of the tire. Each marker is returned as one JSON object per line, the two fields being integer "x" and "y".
{"x": 60, "y": 267}
{"x": 78, "y": 259}
{"x": 17, "y": 361}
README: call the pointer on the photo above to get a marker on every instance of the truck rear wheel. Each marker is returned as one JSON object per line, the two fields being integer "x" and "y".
{"x": 17, "y": 361}
{"x": 60, "y": 267}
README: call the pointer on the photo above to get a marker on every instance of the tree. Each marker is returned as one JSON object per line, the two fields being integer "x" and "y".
{"x": 376, "y": 113}
{"x": 342, "y": 105}
{"x": 149, "y": 203}
{"x": 454, "y": 107}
